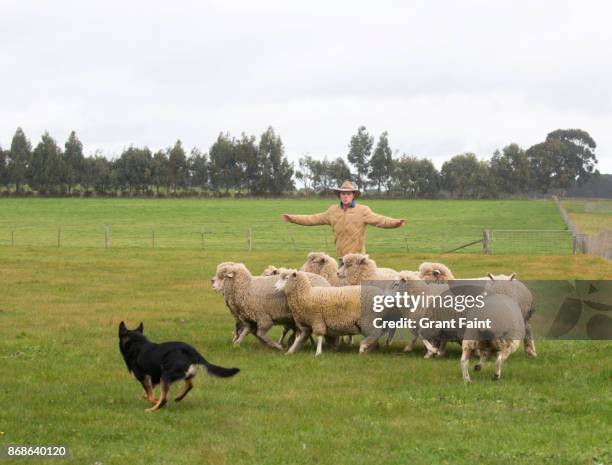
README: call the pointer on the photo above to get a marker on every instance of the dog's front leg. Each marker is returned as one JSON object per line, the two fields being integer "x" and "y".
{"x": 149, "y": 394}
{"x": 163, "y": 397}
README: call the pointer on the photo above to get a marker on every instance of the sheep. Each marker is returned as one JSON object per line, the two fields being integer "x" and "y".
{"x": 431, "y": 271}
{"x": 241, "y": 329}
{"x": 322, "y": 264}
{"x": 272, "y": 270}
{"x": 503, "y": 336}
{"x": 439, "y": 272}
{"x": 256, "y": 302}
{"x": 514, "y": 288}
{"x": 360, "y": 267}
{"x": 332, "y": 311}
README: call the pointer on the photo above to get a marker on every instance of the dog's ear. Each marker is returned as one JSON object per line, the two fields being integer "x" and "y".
{"x": 122, "y": 328}
{"x": 140, "y": 328}
{"x": 491, "y": 277}
{"x": 512, "y": 276}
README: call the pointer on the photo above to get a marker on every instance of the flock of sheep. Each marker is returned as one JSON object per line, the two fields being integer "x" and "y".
{"x": 323, "y": 300}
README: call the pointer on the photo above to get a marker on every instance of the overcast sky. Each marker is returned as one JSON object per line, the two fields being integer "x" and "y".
{"x": 441, "y": 77}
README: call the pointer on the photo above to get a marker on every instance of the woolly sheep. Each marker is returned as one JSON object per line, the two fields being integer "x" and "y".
{"x": 325, "y": 311}
{"x": 431, "y": 271}
{"x": 257, "y": 302}
{"x": 360, "y": 267}
{"x": 322, "y": 264}
{"x": 241, "y": 329}
{"x": 514, "y": 288}
{"x": 503, "y": 337}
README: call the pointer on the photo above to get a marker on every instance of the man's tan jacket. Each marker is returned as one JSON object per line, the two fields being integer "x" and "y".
{"x": 348, "y": 225}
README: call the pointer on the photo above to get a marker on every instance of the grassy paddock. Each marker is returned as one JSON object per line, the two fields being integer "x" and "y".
{"x": 590, "y": 215}
{"x": 432, "y": 225}
{"x": 64, "y": 382}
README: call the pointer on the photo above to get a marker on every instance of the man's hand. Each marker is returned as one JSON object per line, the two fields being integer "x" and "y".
{"x": 399, "y": 223}
{"x": 285, "y": 217}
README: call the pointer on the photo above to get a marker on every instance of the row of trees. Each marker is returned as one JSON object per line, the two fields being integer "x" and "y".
{"x": 259, "y": 167}
{"x": 242, "y": 165}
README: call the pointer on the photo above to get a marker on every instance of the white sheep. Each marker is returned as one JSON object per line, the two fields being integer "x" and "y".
{"x": 359, "y": 267}
{"x": 241, "y": 328}
{"x": 329, "y": 311}
{"x": 257, "y": 303}
{"x": 502, "y": 336}
{"x": 432, "y": 271}
{"x": 509, "y": 285}
{"x": 322, "y": 264}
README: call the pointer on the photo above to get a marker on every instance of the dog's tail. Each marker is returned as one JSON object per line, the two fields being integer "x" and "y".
{"x": 215, "y": 370}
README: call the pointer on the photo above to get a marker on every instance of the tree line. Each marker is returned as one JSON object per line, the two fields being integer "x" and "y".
{"x": 259, "y": 167}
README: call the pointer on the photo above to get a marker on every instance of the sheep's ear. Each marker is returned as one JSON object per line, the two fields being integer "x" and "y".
{"x": 491, "y": 276}
{"x": 294, "y": 274}
{"x": 363, "y": 260}
{"x": 140, "y": 328}
{"x": 512, "y": 276}
{"x": 122, "y": 328}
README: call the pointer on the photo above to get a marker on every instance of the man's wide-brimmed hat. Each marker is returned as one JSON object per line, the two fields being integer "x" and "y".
{"x": 347, "y": 186}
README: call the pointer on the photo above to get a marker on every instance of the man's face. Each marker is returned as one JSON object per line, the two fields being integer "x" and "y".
{"x": 346, "y": 198}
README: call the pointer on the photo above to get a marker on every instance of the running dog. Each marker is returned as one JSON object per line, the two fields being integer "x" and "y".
{"x": 152, "y": 363}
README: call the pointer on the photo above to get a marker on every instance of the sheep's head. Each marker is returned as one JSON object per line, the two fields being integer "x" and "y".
{"x": 406, "y": 275}
{"x": 435, "y": 272}
{"x": 271, "y": 270}
{"x": 231, "y": 272}
{"x": 356, "y": 267}
{"x": 501, "y": 277}
{"x": 218, "y": 277}
{"x": 288, "y": 277}
{"x": 316, "y": 261}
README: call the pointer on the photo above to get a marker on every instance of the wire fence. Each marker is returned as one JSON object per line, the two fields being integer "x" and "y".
{"x": 262, "y": 236}
{"x": 599, "y": 244}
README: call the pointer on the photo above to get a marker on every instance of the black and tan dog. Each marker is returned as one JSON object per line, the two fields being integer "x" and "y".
{"x": 164, "y": 363}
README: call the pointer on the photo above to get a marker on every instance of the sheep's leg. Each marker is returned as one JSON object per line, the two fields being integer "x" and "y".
{"x": 237, "y": 328}
{"x": 465, "y": 363}
{"x": 442, "y": 348}
{"x": 367, "y": 344}
{"x": 285, "y": 331}
{"x": 319, "y": 345}
{"x": 390, "y": 336}
{"x": 528, "y": 342}
{"x": 431, "y": 350}
{"x": 244, "y": 330}
{"x": 410, "y": 346}
{"x": 262, "y": 330}
{"x": 499, "y": 361}
{"x": 483, "y": 358}
{"x": 302, "y": 335}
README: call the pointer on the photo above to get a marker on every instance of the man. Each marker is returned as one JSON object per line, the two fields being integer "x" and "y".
{"x": 348, "y": 220}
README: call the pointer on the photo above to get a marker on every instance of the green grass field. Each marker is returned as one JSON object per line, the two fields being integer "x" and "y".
{"x": 591, "y": 216}
{"x": 432, "y": 225}
{"x": 64, "y": 381}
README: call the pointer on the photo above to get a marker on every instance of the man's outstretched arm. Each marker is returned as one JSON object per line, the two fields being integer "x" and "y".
{"x": 380, "y": 221}
{"x": 307, "y": 220}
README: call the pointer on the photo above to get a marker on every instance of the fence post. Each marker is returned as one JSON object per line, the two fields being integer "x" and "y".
{"x": 59, "y": 236}
{"x": 202, "y": 235}
{"x": 105, "y": 237}
{"x": 486, "y": 238}
{"x": 574, "y": 244}
{"x": 250, "y": 239}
